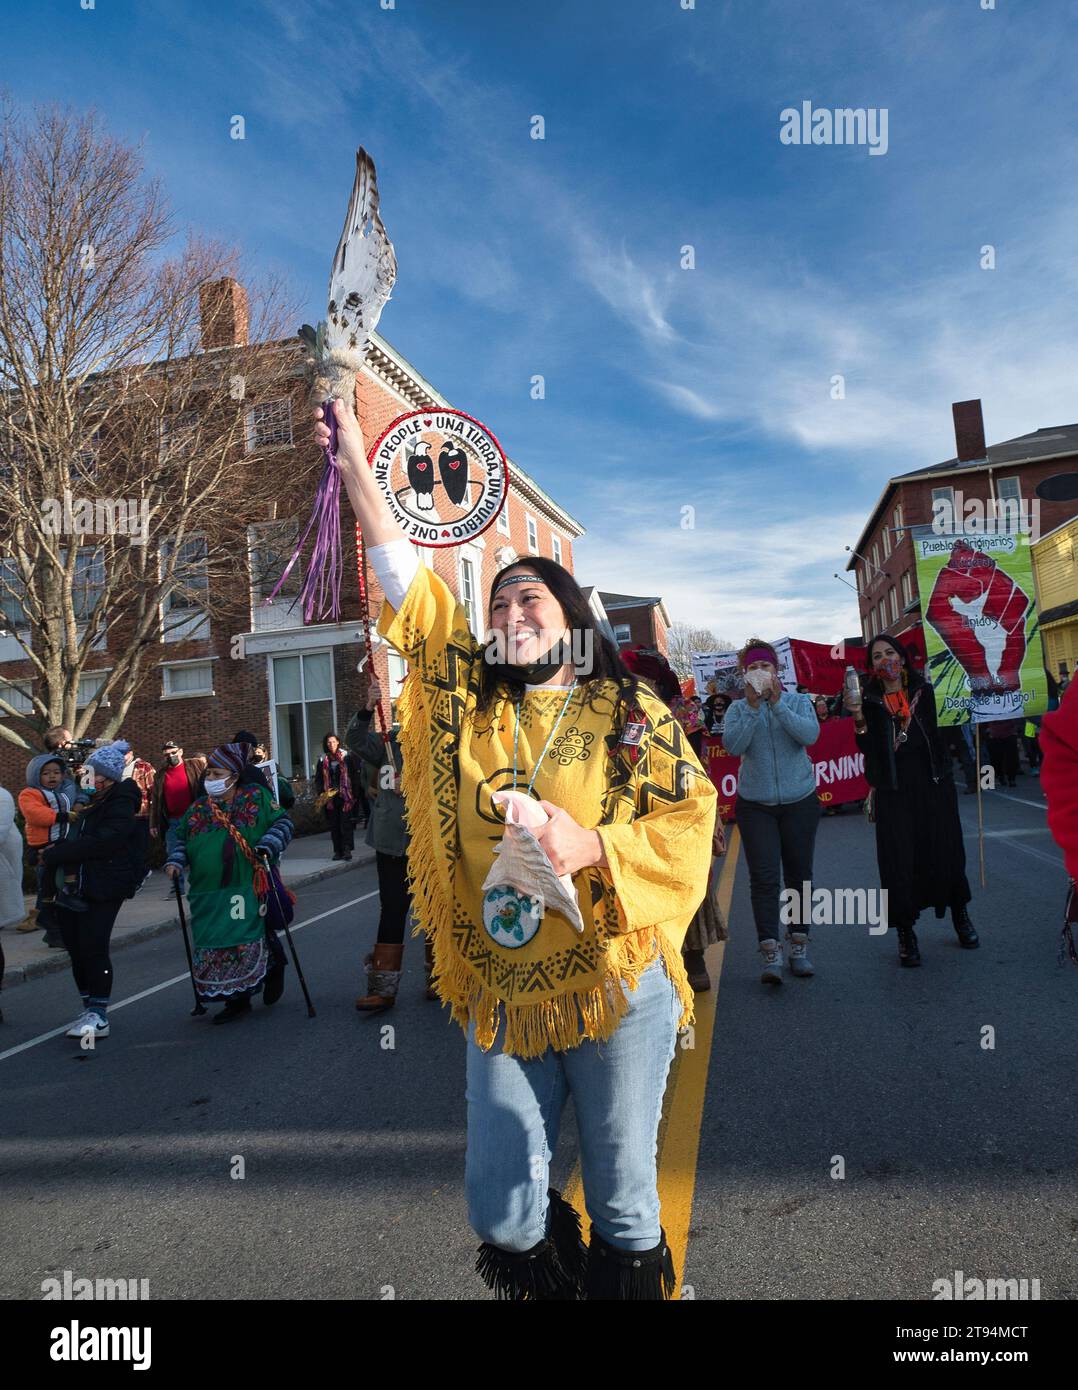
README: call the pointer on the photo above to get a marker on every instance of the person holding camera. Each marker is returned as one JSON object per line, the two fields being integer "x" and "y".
{"x": 778, "y": 811}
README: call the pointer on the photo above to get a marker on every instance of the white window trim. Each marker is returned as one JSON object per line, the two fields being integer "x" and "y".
{"x": 251, "y": 446}
{"x": 272, "y": 713}
{"x": 557, "y": 548}
{"x": 615, "y": 627}
{"x": 886, "y": 542}
{"x": 529, "y": 523}
{"x": 22, "y": 686}
{"x": 503, "y": 520}
{"x": 166, "y": 694}
{"x": 105, "y": 672}
{"x": 196, "y": 617}
{"x": 900, "y": 530}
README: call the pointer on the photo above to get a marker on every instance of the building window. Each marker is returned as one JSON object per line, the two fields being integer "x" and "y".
{"x": 894, "y": 605}
{"x": 178, "y": 433}
{"x": 881, "y": 617}
{"x": 303, "y": 710}
{"x": 533, "y": 535}
{"x": 907, "y": 589}
{"x": 17, "y": 695}
{"x": 269, "y": 426}
{"x": 187, "y": 678}
{"x": 12, "y": 612}
{"x": 86, "y": 458}
{"x": 468, "y": 595}
{"x": 183, "y": 614}
{"x": 1009, "y": 504}
{"x": 90, "y": 682}
{"x": 899, "y": 530}
{"x": 555, "y": 542}
{"x": 875, "y": 557}
{"x": 886, "y": 538}
{"x": 503, "y": 519}
{"x": 270, "y": 546}
{"x": 88, "y": 583}
{"x": 945, "y": 513}
{"x": 622, "y": 634}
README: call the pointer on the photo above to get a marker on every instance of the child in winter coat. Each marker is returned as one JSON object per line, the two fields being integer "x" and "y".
{"x": 47, "y": 808}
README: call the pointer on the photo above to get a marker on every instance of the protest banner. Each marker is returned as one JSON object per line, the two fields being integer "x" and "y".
{"x": 838, "y": 762}
{"x": 982, "y": 632}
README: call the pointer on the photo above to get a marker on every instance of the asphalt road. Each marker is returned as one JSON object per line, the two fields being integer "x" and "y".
{"x": 119, "y": 1162}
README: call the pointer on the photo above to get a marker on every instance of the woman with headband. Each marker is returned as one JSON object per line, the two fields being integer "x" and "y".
{"x": 550, "y": 1007}
{"x": 778, "y": 811}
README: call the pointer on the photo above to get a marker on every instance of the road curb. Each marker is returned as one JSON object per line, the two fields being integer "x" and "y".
{"x": 128, "y": 936}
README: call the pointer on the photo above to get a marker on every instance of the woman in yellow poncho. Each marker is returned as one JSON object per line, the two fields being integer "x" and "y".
{"x": 549, "y": 1011}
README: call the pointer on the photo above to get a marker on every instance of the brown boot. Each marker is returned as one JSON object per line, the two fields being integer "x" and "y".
{"x": 30, "y": 923}
{"x": 428, "y": 957}
{"x": 383, "y": 978}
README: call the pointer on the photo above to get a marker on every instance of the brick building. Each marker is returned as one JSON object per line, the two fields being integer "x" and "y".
{"x": 258, "y": 666}
{"x": 882, "y": 558}
{"x": 637, "y": 621}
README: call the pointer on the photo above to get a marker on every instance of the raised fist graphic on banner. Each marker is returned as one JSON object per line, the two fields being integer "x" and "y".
{"x": 980, "y": 613}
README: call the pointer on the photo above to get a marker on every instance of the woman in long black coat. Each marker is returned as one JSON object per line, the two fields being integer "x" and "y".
{"x": 922, "y": 859}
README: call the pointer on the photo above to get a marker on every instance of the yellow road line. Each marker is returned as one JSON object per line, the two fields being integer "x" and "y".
{"x": 679, "y": 1127}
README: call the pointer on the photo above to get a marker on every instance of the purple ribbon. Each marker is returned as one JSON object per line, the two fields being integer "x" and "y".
{"x": 321, "y": 588}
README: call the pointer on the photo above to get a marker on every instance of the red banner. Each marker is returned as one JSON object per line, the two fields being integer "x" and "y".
{"x": 839, "y": 765}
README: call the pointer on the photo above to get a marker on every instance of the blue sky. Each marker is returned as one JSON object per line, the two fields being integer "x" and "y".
{"x": 665, "y": 387}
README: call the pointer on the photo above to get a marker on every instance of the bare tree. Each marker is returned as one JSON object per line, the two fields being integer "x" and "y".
{"x": 124, "y": 484}
{"x": 682, "y": 639}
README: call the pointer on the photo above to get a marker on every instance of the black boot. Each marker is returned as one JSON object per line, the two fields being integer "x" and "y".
{"x": 967, "y": 932}
{"x": 273, "y": 985}
{"x": 629, "y": 1275}
{"x": 908, "y": 953}
{"x": 234, "y": 1009}
{"x": 551, "y": 1271}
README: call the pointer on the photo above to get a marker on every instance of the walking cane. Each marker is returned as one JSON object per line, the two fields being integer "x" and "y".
{"x": 291, "y": 946}
{"x": 199, "y": 1008}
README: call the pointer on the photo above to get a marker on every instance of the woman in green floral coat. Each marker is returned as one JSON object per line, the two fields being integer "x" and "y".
{"x": 220, "y": 839}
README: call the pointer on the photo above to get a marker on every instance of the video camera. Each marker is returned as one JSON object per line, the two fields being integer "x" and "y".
{"x": 75, "y": 753}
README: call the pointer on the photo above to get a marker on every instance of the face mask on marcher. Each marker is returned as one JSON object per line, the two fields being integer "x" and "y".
{"x": 890, "y": 668}
{"x": 759, "y": 680}
{"x": 217, "y": 786}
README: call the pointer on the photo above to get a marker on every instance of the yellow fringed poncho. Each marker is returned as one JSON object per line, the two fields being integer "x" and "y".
{"x": 655, "y": 815}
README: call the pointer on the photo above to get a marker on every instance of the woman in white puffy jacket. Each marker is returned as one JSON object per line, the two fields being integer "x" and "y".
{"x": 12, "y": 908}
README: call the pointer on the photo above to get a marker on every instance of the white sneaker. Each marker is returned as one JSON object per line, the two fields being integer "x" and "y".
{"x": 89, "y": 1022}
{"x": 771, "y": 950}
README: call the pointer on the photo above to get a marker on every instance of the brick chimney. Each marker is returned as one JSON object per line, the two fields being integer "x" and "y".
{"x": 968, "y": 431}
{"x": 223, "y": 309}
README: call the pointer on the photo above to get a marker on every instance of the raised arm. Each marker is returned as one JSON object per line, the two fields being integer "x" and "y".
{"x": 372, "y": 511}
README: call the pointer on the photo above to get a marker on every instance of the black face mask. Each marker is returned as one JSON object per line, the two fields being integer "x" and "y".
{"x": 534, "y": 673}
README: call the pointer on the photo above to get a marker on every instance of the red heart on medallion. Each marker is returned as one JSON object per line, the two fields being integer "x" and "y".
{"x": 428, "y": 423}
{"x": 421, "y": 466}
{"x": 454, "y": 463}
{"x": 445, "y": 533}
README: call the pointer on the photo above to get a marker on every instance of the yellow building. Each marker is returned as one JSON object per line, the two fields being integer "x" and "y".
{"x": 1055, "y": 572}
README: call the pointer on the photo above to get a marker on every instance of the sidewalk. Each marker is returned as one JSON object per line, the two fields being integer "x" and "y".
{"x": 153, "y": 911}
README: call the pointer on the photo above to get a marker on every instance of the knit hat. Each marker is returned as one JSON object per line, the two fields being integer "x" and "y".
{"x": 109, "y": 761}
{"x": 234, "y": 756}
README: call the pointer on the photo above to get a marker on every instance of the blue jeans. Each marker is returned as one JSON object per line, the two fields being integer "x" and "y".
{"x": 172, "y": 840}
{"x": 514, "y": 1114}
